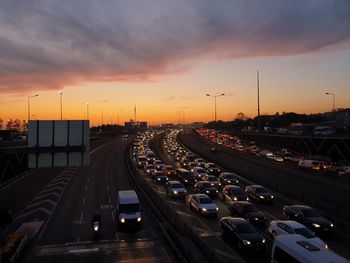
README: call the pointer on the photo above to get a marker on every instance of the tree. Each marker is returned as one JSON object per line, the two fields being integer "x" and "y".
{"x": 1, "y": 123}
{"x": 241, "y": 116}
{"x": 9, "y": 124}
{"x": 24, "y": 125}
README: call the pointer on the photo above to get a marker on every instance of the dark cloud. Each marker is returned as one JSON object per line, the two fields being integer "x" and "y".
{"x": 48, "y": 44}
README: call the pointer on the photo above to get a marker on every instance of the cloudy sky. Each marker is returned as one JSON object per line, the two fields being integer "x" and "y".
{"x": 162, "y": 55}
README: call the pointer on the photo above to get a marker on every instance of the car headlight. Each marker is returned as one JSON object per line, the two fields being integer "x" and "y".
{"x": 255, "y": 218}
{"x": 326, "y": 246}
{"x": 235, "y": 198}
{"x": 175, "y": 192}
{"x": 272, "y": 196}
{"x": 139, "y": 219}
{"x": 316, "y": 225}
{"x": 122, "y": 220}
{"x": 207, "y": 192}
{"x": 229, "y": 181}
{"x": 96, "y": 228}
{"x": 219, "y": 170}
{"x": 204, "y": 209}
{"x": 158, "y": 179}
{"x": 331, "y": 225}
{"x": 217, "y": 209}
{"x": 246, "y": 242}
{"x": 263, "y": 241}
{"x": 186, "y": 181}
{"x": 217, "y": 191}
{"x": 262, "y": 197}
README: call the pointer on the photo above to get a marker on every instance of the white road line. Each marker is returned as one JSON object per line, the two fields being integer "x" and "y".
{"x": 98, "y": 148}
{"x": 81, "y": 218}
{"x": 107, "y": 188}
{"x": 86, "y": 187}
{"x": 84, "y": 200}
{"x": 116, "y": 237}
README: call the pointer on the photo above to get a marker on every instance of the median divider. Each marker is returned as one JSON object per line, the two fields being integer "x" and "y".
{"x": 179, "y": 226}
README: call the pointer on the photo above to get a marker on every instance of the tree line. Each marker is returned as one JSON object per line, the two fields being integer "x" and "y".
{"x": 14, "y": 124}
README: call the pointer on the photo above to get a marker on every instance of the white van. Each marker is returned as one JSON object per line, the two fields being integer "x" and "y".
{"x": 128, "y": 209}
{"x": 297, "y": 249}
{"x": 310, "y": 164}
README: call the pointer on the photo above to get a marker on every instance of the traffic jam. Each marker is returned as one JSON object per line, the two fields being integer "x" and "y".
{"x": 246, "y": 216}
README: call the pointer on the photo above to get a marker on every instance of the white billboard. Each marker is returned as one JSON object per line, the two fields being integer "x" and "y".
{"x": 58, "y": 143}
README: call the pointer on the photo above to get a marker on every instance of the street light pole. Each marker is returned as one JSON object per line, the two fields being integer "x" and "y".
{"x": 215, "y": 96}
{"x": 335, "y": 113}
{"x": 183, "y": 116}
{"x": 87, "y": 110}
{"x": 33, "y": 96}
{"x": 60, "y": 92}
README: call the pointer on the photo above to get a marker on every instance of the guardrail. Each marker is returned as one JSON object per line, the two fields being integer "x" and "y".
{"x": 174, "y": 222}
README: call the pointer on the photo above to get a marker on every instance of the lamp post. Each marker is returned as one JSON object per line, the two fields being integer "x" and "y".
{"x": 335, "y": 114}
{"x": 118, "y": 115}
{"x": 32, "y": 96}
{"x": 87, "y": 110}
{"x": 60, "y": 92}
{"x": 182, "y": 109}
{"x": 215, "y": 96}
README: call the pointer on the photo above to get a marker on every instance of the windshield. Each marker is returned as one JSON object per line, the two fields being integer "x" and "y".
{"x": 212, "y": 165}
{"x": 250, "y": 208}
{"x": 177, "y": 186}
{"x": 205, "y": 200}
{"x": 160, "y": 174}
{"x": 309, "y": 213}
{"x": 212, "y": 178}
{"x": 142, "y": 159}
{"x": 236, "y": 191}
{"x": 206, "y": 185}
{"x": 304, "y": 232}
{"x": 245, "y": 228}
{"x": 129, "y": 208}
{"x": 261, "y": 190}
{"x": 200, "y": 171}
{"x": 187, "y": 175}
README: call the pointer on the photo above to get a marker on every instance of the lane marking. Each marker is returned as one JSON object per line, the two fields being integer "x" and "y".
{"x": 81, "y": 218}
{"x": 98, "y": 148}
{"x": 113, "y": 218}
{"x": 84, "y": 200}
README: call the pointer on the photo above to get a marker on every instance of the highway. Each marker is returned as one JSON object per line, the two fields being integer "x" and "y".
{"x": 247, "y": 168}
{"x": 65, "y": 201}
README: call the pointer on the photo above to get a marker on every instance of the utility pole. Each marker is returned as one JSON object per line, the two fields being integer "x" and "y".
{"x": 258, "y": 86}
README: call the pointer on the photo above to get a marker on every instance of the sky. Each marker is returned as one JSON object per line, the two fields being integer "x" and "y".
{"x": 161, "y": 55}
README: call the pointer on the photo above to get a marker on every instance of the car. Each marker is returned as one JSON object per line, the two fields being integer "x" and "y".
{"x": 149, "y": 169}
{"x": 212, "y": 168}
{"x": 169, "y": 171}
{"x": 199, "y": 172}
{"x": 232, "y": 193}
{"x": 278, "y": 158}
{"x": 159, "y": 165}
{"x": 203, "y": 204}
{"x": 160, "y": 177}
{"x": 288, "y": 227}
{"x": 190, "y": 165}
{"x": 178, "y": 156}
{"x": 206, "y": 188}
{"x": 212, "y": 179}
{"x": 175, "y": 189}
{"x": 199, "y": 162}
{"x": 151, "y": 157}
{"x": 242, "y": 233}
{"x": 141, "y": 161}
{"x": 190, "y": 155}
{"x": 185, "y": 176}
{"x": 259, "y": 193}
{"x": 309, "y": 217}
{"x": 248, "y": 211}
{"x": 227, "y": 178}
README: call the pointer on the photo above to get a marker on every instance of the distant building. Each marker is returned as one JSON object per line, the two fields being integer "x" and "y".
{"x": 143, "y": 124}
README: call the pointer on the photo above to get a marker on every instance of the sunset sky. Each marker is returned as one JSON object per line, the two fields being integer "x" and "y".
{"x": 163, "y": 54}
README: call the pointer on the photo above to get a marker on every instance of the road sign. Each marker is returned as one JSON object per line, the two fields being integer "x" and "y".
{"x": 59, "y": 143}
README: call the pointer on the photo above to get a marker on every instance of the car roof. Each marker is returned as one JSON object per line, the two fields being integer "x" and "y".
{"x": 302, "y": 207}
{"x": 174, "y": 182}
{"x": 230, "y": 186}
{"x": 235, "y": 220}
{"x": 291, "y": 223}
{"x": 244, "y": 203}
{"x": 201, "y": 195}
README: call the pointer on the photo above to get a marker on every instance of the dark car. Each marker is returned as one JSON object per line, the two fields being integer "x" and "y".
{"x": 185, "y": 176}
{"x": 212, "y": 169}
{"x": 308, "y": 217}
{"x": 248, "y": 211}
{"x": 241, "y": 232}
{"x": 206, "y": 188}
{"x": 160, "y": 177}
{"x": 228, "y": 179}
{"x": 259, "y": 193}
{"x": 233, "y": 193}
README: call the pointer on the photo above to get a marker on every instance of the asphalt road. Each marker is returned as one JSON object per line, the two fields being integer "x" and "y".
{"x": 66, "y": 202}
{"x": 251, "y": 170}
